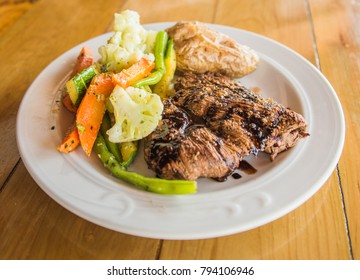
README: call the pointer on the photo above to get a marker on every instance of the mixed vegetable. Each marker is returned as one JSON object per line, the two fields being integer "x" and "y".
{"x": 117, "y": 100}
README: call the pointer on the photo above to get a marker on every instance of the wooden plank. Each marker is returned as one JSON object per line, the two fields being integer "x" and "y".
{"x": 284, "y": 21}
{"x": 38, "y": 228}
{"x": 316, "y": 230}
{"x": 10, "y": 12}
{"x": 24, "y": 55}
{"x": 336, "y": 25}
{"x": 163, "y": 10}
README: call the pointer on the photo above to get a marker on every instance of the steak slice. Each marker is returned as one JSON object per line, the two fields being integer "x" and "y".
{"x": 212, "y": 123}
{"x": 238, "y": 115}
{"x": 181, "y": 148}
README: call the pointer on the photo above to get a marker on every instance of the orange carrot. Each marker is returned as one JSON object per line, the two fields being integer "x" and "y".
{"x": 70, "y": 142}
{"x": 91, "y": 110}
{"x": 134, "y": 73}
{"x": 84, "y": 60}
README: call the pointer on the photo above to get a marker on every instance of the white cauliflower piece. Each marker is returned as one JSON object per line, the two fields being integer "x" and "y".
{"x": 128, "y": 44}
{"x": 137, "y": 113}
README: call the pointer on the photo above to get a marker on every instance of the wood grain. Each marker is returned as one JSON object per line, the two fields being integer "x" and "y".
{"x": 11, "y": 11}
{"x": 284, "y": 21}
{"x": 163, "y": 10}
{"x": 337, "y": 31}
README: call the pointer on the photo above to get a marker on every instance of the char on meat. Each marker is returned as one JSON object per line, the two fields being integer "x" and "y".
{"x": 212, "y": 122}
{"x": 183, "y": 149}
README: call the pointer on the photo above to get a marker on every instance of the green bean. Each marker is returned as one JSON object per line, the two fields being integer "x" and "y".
{"x": 128, "y": 152}
{"x": 160, "y": 48}
{"x": 113, "y": 147}
{"x": 169, "y": 49}
{"x": 162, "y": 88}
{"x": 152, "y": 79}
{"x": 146, "y": 88}
{"x": 156, "y": 185}
{"x": 160, "y": 69}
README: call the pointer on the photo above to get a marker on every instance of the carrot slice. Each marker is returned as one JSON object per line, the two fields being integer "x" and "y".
{"x": 134, "y": 73}
{"x": 84, "y": 60}
{"x": 91, "y": 110}
{"x": 70, "y": 142}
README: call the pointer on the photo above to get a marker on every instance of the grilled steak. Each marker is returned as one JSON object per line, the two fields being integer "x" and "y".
{"x": 183, "y": 149}
{"x": 212, "y": 122}
{"x": 238, "y": 115}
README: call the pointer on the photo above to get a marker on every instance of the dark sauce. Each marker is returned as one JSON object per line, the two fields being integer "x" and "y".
{"x": 246, "y": 167}
{"x": 195, "y": 120}
{"x": 236, "y": 175}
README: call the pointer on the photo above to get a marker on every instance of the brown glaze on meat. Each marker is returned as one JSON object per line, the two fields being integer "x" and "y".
{"x": 238, "y": 115}
{"x": 181, "y": 148}
{"x": 212, "y": 123}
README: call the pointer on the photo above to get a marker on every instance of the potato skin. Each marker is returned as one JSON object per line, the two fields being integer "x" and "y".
{"x": 201, "y": 49}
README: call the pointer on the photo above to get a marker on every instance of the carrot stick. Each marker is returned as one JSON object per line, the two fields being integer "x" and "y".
{"x": 134, "y": 73}
{"x": 70, "y": 142}
{"x": 84, "y": 60}
{"x": 91, "y": 110}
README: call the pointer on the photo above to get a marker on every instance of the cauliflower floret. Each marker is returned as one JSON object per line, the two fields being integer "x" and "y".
{"x": 137, "y": 113}
{"x": 125, "y": 19}
{"x": 129, "y": 43}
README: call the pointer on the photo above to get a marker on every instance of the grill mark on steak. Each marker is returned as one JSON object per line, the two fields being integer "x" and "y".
{"x": 181, "y": 149}
{"x": 212, "y": 123}
{"x": 235, "y": 113}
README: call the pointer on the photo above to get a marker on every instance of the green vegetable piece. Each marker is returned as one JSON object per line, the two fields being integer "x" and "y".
{"x": 160, "y": 69}
{"x": 128, "y": 152}
{"x": 77, "y": 86}
{"x": 147, "y": 88}
{"x": 80, "y": 127}
{"x": 156, "y": 185}
{"x": 162, "y": 88}
{"x": 160, "y": 47}
{"x": 113, "y": 147}
{"x": 152, "y": 79}
{"x": 170, "y": 50}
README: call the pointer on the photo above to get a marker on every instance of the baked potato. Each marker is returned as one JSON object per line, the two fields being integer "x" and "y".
{"x": 201, "y": 49}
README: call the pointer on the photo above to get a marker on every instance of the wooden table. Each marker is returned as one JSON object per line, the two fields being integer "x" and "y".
{"x": 33, "y": 33}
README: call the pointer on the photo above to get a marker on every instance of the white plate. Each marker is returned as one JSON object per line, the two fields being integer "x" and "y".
{"x": 83, "y": 185}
